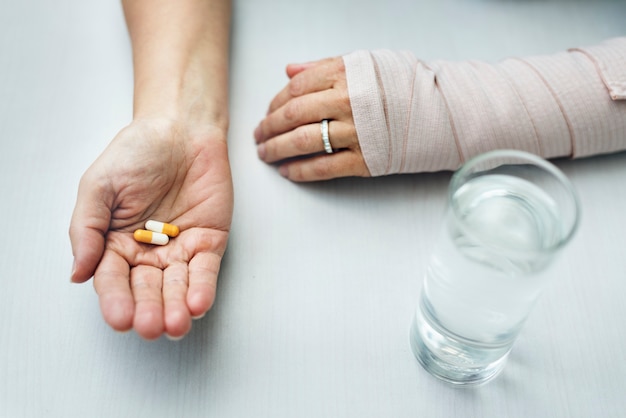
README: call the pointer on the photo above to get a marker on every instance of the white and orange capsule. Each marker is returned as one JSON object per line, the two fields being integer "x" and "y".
{"x": 150, "y": 237}
{"x": 163, "y": 228}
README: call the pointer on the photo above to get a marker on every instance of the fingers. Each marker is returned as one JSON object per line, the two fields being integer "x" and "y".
{"x": 324, "y": 167}
{"x": 346, "y": 160}
{"x": 309, "y": 78}
{"x": 177, "y": 316}
{"x": 327, "y": 104}
{"x": 293, "y": 69}
{"x": 305, "y": 140}
{"x": 146, "y": 282}
{"x": 203, "y": 270}
{"x": 146, "y": 298}
{"x": 88, "y": 227}
{"x": 112, "y": 284}
{"x": 138, "y": 289}
{"x": 316, "y": 91}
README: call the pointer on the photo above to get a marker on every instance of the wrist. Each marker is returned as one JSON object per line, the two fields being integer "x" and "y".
{"x": 187, "y": 96}
{"x": 179, "y": 74}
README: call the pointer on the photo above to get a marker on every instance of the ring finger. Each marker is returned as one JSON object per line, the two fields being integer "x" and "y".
{"x": 306, "y": 140}
{"x": 302, "y": 110}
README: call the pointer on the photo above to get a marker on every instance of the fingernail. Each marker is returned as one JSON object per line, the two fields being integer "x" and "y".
{"x": 260, "y": 150}
{"x": 199, "y": 316}
{"x": 73, "y": 271}
{"x": 257, "y": 134}
{"x": 283, "y": 170}
{"x": 169, "y": 337}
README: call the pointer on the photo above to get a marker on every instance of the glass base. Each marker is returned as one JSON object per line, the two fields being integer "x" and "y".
{"x": 451, "y": 359}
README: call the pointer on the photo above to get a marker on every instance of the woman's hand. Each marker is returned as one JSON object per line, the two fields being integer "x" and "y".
{"x": 154, "y": 169}
{"x": 290, "y": 134}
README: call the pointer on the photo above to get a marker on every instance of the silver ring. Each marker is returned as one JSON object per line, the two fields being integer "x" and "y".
{"x": 325, "y": 137}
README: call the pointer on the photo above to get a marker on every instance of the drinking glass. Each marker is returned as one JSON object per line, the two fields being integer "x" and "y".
{"x": 509, "y": 214}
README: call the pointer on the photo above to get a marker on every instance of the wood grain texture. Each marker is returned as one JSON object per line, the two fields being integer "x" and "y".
{"x": 320, "y": 281}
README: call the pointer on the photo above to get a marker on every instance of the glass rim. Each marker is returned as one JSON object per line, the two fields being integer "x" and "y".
{"x": 522, "y": 157}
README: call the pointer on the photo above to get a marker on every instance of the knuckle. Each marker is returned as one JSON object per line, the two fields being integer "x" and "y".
{"x": 292, "y": 110}
{"x": 302, "y": 139}
{"x": 344, "y": 103}
{"x": 340, "y": 66}
{"x": 322, "y": 168}
{"x": 358, "y": 166}
{"x": 295, "y": 86}
{"x": 274, "y": 104}
{"x": 352, "y": 139}
{"x": 338, "y": 72}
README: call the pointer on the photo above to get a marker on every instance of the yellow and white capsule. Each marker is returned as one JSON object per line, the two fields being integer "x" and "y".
{"x": 167, "y": 229}
{"x": 150, "y": 237}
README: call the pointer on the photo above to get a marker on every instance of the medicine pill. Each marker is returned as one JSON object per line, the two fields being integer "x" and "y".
{"x": 167, "y": 229}
{"x": 150, "y": 237}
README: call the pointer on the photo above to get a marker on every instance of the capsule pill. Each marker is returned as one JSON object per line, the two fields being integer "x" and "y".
{"x": 150, "y": 237}
{"x": 162, "y": 227}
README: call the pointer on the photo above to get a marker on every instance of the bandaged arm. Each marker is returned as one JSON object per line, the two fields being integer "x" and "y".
{"x": 411, "y": 116}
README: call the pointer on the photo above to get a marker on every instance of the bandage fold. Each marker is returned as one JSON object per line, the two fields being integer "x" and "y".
{"x": 411, "y": 116}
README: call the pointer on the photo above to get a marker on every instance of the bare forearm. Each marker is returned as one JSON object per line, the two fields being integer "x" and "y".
{"x": 180, "y": 57}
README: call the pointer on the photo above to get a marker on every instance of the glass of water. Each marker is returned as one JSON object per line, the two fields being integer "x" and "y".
{"x": 509, "y": 214}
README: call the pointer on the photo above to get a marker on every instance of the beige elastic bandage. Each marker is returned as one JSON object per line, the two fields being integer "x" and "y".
{"x": 412, "y": 116}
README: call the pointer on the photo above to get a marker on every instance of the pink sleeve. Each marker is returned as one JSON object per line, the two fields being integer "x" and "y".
{"x": 412, "y": 116}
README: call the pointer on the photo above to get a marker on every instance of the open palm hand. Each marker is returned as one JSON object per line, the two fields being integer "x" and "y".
{"x": 158, "y": 170}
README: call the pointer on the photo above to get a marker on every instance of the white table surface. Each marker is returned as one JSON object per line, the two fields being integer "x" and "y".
{"x": 320, "y": 281}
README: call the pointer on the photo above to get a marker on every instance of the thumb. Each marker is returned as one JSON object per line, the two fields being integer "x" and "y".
{"x": 293, "y": 69}
{"x": 88, "y": 229}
